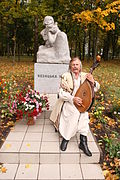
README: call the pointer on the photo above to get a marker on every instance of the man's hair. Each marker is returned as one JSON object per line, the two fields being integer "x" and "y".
{"x": 73, "y": 59}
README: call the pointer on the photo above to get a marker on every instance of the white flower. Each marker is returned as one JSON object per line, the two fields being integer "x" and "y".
{"x": 26, "y": 109}
{"x": 25, "y": 103}
{"x": 31, "y": 106}
{"x": 37, "y": 96}
{"x": 40, "y": 104}
{"x": 35, "y": 118}
{"x": 115, "y": 112}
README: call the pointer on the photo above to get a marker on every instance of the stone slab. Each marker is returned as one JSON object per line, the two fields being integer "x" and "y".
{"x": 92, "y": 171}
{"x": 27, "y": 171}
{"x": 49, "y": 171}
{"x": 71, "y": 171}
{"x": 47, "y": 77}
{"x": 10, "y": 172}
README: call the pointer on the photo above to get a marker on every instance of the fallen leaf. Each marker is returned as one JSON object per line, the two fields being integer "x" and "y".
{"x": 8, "y": 146}
{"x": 28, "y": 145}
{"x": 111, "y": 164}
{"x": 27, "y": 165}
{"x": 105, "y": 172}
{"x": 3, "y": 170}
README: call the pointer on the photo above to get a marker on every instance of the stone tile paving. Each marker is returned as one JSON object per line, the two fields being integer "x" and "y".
{"x": 32, "y": 152}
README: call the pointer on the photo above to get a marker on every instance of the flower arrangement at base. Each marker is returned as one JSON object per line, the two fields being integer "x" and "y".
{"x": 28, "y": 104}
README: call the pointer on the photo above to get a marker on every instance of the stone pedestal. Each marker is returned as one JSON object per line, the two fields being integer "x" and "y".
{"x": 47, "y": 79}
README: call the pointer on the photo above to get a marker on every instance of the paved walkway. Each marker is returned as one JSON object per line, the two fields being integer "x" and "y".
{"x": 33, "y": 153}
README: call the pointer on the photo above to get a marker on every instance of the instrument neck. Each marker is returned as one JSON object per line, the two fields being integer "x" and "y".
{"x": 91, "y": 70}
{"x": 95, "y": 64}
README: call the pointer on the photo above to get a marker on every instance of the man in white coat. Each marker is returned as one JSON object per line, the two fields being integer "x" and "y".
{"x": 65, "y": 115}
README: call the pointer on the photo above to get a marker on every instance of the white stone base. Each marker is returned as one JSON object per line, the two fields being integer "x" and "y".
{"x": 47, "y": 77}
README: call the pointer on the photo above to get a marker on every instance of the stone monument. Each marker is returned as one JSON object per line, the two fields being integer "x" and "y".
{"x": 56, "y": 49}
{"x": 52, "y": 59}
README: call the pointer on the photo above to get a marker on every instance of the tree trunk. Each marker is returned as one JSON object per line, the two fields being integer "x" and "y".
{"x": 1, "y": 42}
{"x": 79, "y": 47}
{"x": 89, "y": 42}
{"x": 35, "y": 38}
{"x": 83, "y": 57}
{"x": 8, "y": 45}
{"x": 75, "y": 48}
{"x": 14, "y": 42}
{"x": 114, "y": 43}
{"x": 95, "y": 44}
{"x": 106, "y": 46}
{"x": 18, "y": 52}
{"x": 71, "y": 48}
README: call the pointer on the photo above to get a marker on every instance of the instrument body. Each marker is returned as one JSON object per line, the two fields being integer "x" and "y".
{"x": 86, "y": 92}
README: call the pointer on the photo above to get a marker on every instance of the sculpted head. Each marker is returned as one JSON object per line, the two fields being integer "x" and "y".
{"x": 75, "y": 65}
{"x": 48, "y": 21}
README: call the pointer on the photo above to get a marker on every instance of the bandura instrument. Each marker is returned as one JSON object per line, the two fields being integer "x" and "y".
{"x": 86, "y": 90}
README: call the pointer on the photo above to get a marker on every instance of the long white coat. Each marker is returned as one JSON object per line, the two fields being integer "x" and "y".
{"x": 70, "y": 119}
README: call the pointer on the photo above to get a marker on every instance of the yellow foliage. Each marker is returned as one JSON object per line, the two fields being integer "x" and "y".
{"x": 111, "y": 122}
{"x": 105, "y": 12}
{"x": 108, "y": 28}
{"x": 99, "y": 126}
{"x": 112, "y": 25}
{"x": 105, "y": 172}
{"x": 104, "y": 23}
{"x": 118, "y": 8}
{"x": 113, "y": 11}
{"x": 98, "y": 10}
{"x": 85, "y": 16}
{"x": 115, "y": 3}
{"x": 76, "y": 16}
{"x": 98, "y": 15}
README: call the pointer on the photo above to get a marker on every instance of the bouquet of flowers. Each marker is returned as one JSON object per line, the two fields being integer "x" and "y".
{"x": 28, "y": 103}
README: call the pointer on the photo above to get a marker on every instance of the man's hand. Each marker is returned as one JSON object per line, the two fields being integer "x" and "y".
{"x": 90, "y": 77}
{"x": 77, "y": 101}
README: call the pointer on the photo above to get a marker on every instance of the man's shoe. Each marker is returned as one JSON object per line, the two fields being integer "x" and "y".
{"x": 63, "y": 145}
{"x": 83, "y": 145}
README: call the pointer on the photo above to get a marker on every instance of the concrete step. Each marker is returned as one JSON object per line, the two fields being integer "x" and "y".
{"x": 52, "y": 172}
{"x": 32, "y": 152}
{"x": 40, "y": 143}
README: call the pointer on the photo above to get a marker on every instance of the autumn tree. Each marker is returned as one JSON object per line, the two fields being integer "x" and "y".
{"x": 11, "y": 15}
{"x": 99, "y": 17}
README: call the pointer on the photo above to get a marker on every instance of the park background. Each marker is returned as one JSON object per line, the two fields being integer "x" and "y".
{"x": 92, "y": 27}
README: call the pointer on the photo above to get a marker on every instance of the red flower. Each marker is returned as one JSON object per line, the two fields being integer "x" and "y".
{"x": 40, "y": 109}
{"x": 35, "y": 113}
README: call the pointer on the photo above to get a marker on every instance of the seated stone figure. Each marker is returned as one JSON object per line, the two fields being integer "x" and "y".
{"x": 56, "y": 49}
